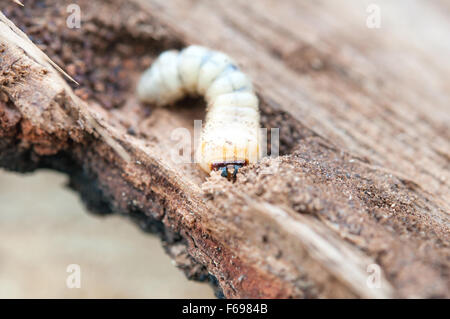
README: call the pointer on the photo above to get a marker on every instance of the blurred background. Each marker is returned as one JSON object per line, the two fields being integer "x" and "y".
{"x": 44, "y": 228}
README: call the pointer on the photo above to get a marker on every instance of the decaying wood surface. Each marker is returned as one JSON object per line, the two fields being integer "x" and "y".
{"x": 363, "y": 174}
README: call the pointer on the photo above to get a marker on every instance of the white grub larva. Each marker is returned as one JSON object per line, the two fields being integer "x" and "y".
{"x": 230, "y": 136}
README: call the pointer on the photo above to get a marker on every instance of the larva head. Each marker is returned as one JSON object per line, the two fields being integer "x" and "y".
{"x": 228, "y": 169}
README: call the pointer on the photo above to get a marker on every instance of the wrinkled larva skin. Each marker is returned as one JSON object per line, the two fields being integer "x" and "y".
{"x": 231, "y": 131}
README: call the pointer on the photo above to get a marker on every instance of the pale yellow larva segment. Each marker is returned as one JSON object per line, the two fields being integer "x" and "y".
{"x": 170, "y": 78}
{"x": 160, "y": 83}
{"x": 228, "y": 143}
{"x": 228, "y": 83}
{"x": 241, "y": 99}
{"x": 189, "y": 63}
{"x": 210, "y": 69}
{"x": 150, "y": 86}
{"x": 233, "y": 115}
{"x": 231, "y": 134}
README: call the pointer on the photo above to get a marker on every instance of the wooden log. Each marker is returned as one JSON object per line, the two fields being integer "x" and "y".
{"x": 362, "y": 180}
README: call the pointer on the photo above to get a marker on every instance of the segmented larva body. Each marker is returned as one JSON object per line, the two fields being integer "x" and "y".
{"x": 230, "y": 136}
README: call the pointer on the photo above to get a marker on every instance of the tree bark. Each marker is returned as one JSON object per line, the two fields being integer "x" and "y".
{"x": 362, "y": 182}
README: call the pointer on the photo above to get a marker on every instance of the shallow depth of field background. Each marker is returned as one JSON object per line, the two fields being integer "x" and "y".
{"x": 44, "y": 227}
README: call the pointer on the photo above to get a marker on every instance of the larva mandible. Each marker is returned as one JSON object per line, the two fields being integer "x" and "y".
{"x": 230, "y": 136}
